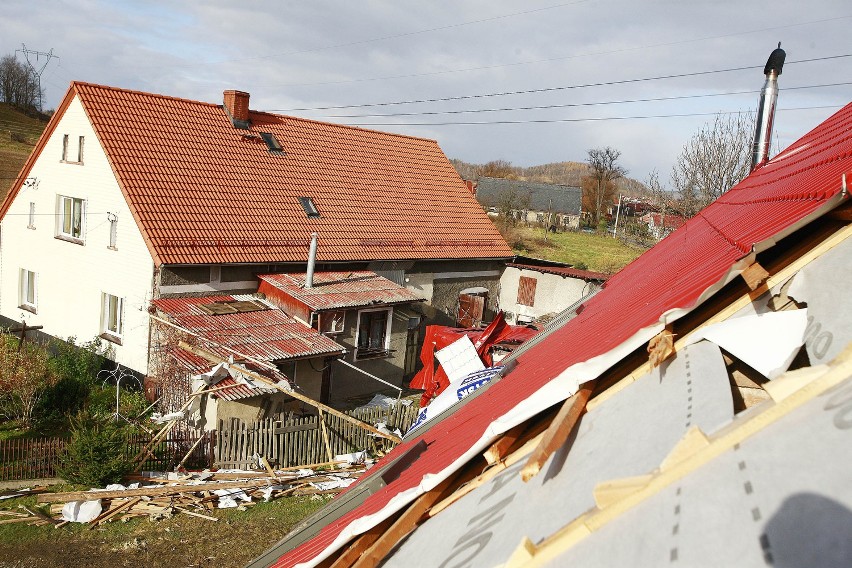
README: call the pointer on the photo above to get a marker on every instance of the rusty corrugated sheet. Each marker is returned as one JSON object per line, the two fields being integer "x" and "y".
{"x": 338, "y": 290}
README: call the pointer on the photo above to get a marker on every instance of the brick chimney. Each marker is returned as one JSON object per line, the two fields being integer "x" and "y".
{"x": 237, "y": 108}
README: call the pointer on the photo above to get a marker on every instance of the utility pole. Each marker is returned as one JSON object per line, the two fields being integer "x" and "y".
{"x": 37, "y": 55}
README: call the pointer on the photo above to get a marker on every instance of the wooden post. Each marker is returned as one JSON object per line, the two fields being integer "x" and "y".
{"x": 325, "y": 435}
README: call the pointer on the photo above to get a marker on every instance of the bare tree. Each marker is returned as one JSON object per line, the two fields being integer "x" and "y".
{"x": 19, "y": 86}
{"x": 497, "y": 169}
{"x": 715, "y": 159}
{"x": 599, "y": 185}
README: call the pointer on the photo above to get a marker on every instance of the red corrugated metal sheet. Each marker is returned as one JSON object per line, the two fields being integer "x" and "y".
{"x": 268, "y": 335}
{"x": 206, "y": 192}
{"x": 337, "y": 290}
{"x": 672, "y": 275}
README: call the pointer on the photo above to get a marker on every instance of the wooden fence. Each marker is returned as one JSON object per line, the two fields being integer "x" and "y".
{"x": 37, "y": 458}
{"x": 300, "y": 441}
{"x": 33, "y": 458}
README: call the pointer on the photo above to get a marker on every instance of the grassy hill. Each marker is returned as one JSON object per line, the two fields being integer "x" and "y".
{"x": 19, "y": 132}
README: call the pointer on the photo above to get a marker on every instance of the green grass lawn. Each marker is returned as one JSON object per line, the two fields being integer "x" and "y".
{"x": 597, "y": 252}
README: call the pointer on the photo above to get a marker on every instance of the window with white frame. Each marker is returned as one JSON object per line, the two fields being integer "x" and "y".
{"x": 31, "y": 223}
{"x": 332, "y": 322}
{"x": 28, "y": 291}
{"x": 373, "y": 336}
{"x": 112, "y": 312}
{"x": 68, "y": 154}
{"x": 70, "y": 218}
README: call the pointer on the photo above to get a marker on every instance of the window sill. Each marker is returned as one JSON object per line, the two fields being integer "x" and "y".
{"x": 110, "y": 337}
{"x": 71, "y": 162}
{"x": 70, "y": 239}
{"x": 28, "y": 307}
{"x": 361, "y": 355}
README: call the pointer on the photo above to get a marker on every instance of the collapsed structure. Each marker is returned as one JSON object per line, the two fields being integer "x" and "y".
{"x": 694, "y": 411}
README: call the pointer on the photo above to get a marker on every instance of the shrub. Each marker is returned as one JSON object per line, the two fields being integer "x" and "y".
{"x": 97, "y": 453}
{"x": 25, "y": 376}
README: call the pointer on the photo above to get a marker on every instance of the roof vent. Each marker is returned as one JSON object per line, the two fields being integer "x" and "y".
{"x": 237, "y": 108}
{"x": 310, "y": 208}
{"x": 766, "y": 107}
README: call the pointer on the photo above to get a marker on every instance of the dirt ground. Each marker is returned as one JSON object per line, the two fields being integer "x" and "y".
{"x": 181, "y": 541}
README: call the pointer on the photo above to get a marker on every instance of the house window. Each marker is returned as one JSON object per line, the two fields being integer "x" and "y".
{"x": 113, "y": 230}
{"x": 111, "y": 317}
{"x": 29, "y": 290}
{"x": 331, "y": 322}
{"x": 70, "y": 216}
{"x": 68, "y": 154}
{"x": 31, "y": 223}
{"x": 526, "y": 291}
{"x": 272, "y": 143}
{"x": 309, "y": 207}
{"x": 373, "y": 338}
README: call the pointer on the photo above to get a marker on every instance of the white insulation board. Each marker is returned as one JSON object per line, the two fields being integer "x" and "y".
{"x": 629, "y": 435}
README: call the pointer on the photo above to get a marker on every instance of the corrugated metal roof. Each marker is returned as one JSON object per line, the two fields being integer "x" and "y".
{"x": 542, "y": 196}
{"x": 769, "y": 204}
{"x": 268, "y": 335}
{"x": 338, "y": 290}
{"x": 205, "y": 192}
{"x": 563, "y": 271}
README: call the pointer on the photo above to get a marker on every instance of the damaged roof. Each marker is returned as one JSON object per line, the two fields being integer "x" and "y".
{"x": 267, "y": 334}
{"x": 337, "y": 290}
{"x": 704, "y": 257}
{"x": 203, "y": 190}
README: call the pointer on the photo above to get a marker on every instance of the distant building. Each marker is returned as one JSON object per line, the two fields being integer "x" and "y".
{"x": 532, "y": 202}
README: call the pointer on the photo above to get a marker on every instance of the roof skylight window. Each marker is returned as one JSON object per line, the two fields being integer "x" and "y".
{"x": 309, "y": 207}
{"x": 272, "y": 143}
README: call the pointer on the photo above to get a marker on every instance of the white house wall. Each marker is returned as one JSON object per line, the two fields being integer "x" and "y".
{"x": 71, "y": 277}
{"x": 553, "y": 293}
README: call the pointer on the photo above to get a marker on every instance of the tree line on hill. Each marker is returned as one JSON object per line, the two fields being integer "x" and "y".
{"x": 19, "y": 84}
{"x": 714, "y": 159}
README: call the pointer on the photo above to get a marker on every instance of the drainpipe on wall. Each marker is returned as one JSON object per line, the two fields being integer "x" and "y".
{"x": 766, "y": 107}
{"x": 312, "y": 261}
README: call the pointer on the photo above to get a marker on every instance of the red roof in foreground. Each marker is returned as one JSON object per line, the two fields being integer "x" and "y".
{"x": 338, "y": 290}
{"x": 203, "y": 191}
{"x": 800, "y": 183}
{"x": 267, "y": 335}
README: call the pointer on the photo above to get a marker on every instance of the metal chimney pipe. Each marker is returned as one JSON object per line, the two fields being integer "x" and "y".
{"x": 312, "y": 261}
{"x": 766, "y": 107}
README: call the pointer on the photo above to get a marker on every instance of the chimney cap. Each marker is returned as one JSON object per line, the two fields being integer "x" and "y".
{"x": 775, "y": 61}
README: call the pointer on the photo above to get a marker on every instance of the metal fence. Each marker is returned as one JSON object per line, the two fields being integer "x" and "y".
{"x": 32, "y": 458}
{"x": 301, "y": 441}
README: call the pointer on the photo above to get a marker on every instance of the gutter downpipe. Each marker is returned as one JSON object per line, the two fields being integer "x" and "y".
{"x": 312, "y": 261}
{"x": 766, "y": 108}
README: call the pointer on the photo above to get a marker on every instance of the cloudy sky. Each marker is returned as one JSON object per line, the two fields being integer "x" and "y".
{"x": 529, "y": 82}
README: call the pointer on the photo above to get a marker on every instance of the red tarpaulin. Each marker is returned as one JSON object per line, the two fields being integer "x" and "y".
{"x": 438, "y": 336}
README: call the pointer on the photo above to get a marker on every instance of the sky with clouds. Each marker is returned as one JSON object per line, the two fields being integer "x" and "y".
{"x": 529, "y": 82}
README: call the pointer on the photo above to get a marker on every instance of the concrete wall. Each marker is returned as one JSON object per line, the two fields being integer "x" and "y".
{"x": 553, "y": 293}
{"x": 440, "y": 282}
{"x": 71, "y": 276}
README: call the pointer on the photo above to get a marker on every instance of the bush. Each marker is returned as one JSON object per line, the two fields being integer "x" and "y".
{"x": 97, "y": 453}
{"x": 77, "y": 368}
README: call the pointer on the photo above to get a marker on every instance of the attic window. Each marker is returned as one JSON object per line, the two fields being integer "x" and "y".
{"x": 309, "y": 207}
{"x": 232, "y": 307}
{"x": 272, "y": 143}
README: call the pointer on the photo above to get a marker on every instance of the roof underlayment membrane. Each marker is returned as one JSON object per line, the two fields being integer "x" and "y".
{"x": 669, "y": 281}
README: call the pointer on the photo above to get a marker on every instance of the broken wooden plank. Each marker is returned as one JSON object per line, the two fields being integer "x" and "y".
{"x": 559, "y": 430}
{"x": 194, "y": 514}
{"x": 150, "y": 491}
{"x": 661, "y": 347}
{"x": 404, "y": 524}
{"x": 608, "y": 492}
{"x": 290, "y": 392}
{"x": 500, "y": 449}
{"x": 754, "y": 275}
{"x": 110, "y": 513}
{"x": 361, "y": 543}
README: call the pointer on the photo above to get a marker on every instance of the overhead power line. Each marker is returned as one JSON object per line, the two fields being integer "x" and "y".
{"x": 560, "y": 88}
{"x": 587, "y": 119}
{"x": 574, "y": 105}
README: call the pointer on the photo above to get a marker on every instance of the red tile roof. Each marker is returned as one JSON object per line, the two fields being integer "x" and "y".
{"x": 267, "y": 335}
{"x": 670, "y": 221}
{"x": 563, "y": 271}
{"x": 337, "y": 290}
{"x": 203, "y": 191}
{"x": 795, "y": 187}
